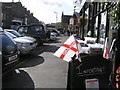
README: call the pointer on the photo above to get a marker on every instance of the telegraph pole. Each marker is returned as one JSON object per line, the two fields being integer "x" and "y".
{"x": 56, "y": 16}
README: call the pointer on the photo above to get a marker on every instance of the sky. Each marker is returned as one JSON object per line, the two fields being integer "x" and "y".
{"x": 47, "y": 10}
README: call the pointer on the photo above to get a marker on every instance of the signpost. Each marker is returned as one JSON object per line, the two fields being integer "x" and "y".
{"x": 93, "y": 72}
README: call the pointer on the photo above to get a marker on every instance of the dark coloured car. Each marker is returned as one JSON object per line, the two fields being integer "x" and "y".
{"x": 61, "y": 30}
{"x": 54, "y": 30}
{"x": 9, "y": 52}
{"x": 51, "y": 35}
{"x": 37, "y": 31}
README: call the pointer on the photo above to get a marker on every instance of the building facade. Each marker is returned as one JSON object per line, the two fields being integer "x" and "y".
{"x": 1, "y": 15}
{"x": 65, "y": 20}
{"x": 15, "y": 11}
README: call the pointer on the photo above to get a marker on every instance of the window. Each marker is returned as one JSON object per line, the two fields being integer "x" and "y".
{"x": 23, "y": 30}
{"x": 37, "y": 28}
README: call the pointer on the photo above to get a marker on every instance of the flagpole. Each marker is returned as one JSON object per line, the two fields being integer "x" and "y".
{"x": 78, "y": 50}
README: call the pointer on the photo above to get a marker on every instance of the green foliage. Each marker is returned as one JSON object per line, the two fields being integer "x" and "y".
{"x": 82, "y": 21}
{"x": 114, "y": 12}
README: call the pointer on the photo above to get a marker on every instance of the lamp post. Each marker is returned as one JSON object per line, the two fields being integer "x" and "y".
{"x": 56, "y": 16}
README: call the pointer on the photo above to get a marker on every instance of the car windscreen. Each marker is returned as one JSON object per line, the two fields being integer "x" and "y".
{"x": 15, "y": 33}
{"x": 10, "y": 35}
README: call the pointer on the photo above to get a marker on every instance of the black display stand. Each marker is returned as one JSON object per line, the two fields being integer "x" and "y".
{"x": 91, "y": 67}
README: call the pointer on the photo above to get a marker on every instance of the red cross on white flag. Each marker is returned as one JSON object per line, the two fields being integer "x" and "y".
{"x": 105, "y": 53}
{"x": 68, "y": 49}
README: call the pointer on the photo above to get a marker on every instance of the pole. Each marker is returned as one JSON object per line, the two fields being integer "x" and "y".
{"x": 107, "y": 23}
{"x": 89, "y": 15}
{"x": 99, "y": 21}
{"x": 56, "y": 19}
{"x": 93, "y": 20}
{"x": 83, "y": 22}
{"x": 56, "y": 16}
{"x": 74, "y": 18}
{"x": 118, "y": 43}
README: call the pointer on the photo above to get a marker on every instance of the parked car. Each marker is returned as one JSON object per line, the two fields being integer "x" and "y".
{"x": 19, "y": 35}
{"x": 10, "y": 53}
{"x": 51, "y": 35}
{"x": 26, "y": 46}
{"x": 54, "y": 30}
{"x": 61, "y": 30}
{"x": 37, "y": 31}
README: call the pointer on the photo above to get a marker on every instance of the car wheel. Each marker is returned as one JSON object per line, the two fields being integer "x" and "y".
{"x": 8, "y": 75}
{"x": 39, "y": 41}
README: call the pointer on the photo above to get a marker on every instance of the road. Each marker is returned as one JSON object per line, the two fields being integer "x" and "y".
{"x": 41, "y": 69}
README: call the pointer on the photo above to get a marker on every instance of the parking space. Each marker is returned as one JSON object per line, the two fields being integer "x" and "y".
{"x": 40, "y": 69}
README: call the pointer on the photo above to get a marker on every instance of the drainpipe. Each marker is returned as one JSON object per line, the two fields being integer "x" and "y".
{"x": 83, "y": 22}
{"x": 94, "y": 12}
{"x": 99, "y": 22}
{"x": 107, "y": 22}
{"x": 89, "y": 15}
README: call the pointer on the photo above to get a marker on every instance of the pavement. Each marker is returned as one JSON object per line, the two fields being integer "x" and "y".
{"x": 41, "y": 70}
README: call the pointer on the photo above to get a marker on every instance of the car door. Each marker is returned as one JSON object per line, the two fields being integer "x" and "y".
{"x": 38, "y": 31}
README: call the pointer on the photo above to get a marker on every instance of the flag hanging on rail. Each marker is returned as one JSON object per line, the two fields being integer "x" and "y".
{"x": 68, "y": 49}
{"x": 105, "y": 53}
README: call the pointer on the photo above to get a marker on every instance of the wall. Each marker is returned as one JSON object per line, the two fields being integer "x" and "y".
{"x": 1, "y": 15}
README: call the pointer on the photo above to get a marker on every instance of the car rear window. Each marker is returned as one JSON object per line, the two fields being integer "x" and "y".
{"x": 38, "y": 28}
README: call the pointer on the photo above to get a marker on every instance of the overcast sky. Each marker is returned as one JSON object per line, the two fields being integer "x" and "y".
{"x": 44, "y": 9}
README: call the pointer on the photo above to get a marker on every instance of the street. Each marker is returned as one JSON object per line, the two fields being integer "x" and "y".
{"x": 92, "y": 49}
{"x": 41, "y": 69}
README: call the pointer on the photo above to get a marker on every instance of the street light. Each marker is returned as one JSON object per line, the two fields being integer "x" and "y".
{"x": 56, "y": 16}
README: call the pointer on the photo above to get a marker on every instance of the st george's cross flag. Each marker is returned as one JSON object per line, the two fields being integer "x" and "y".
{"x": 68, "y": 49}
{"x": 106, "y": 52}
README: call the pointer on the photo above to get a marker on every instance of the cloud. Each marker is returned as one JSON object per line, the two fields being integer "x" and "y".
{"x": 44, "y": 9}
{"x": 52, "y": 2}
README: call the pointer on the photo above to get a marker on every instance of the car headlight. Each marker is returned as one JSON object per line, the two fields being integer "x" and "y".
{"x": 25, "y": 44}
{"x": 19, "y": 44}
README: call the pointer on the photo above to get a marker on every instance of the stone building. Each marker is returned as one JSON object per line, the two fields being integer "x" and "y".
{"x": 16, "y": 11}
{"x": 1, "y": 16}
{"x": 65, "y": 20}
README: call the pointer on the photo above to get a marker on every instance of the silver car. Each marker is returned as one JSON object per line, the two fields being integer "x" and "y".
{"x": 53, "y": 36}
{"x": 25, "y": 44}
